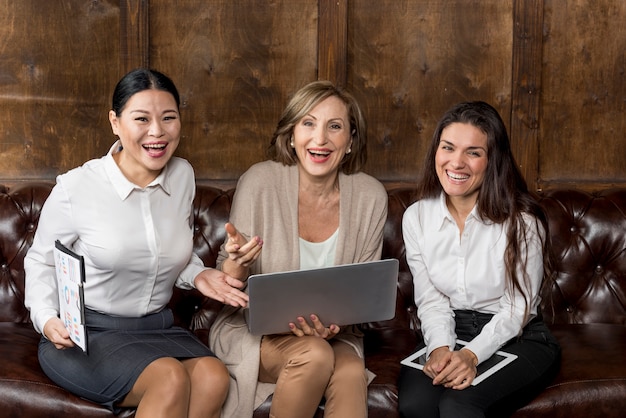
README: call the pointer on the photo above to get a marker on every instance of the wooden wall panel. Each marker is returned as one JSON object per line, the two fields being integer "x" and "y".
{"x": 526, "y": 87}
{"x": 134, "y": 36}
{"x": 333, "y": 41}
{"x": 583, "y": 117}
{"x": 235, "y": 63}
{"x": 59, "y": 61}
{"x": 555, "y": 69}
{"x": 409, "y": 61}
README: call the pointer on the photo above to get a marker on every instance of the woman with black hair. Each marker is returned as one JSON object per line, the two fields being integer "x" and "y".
{"x": 129, "y": 214}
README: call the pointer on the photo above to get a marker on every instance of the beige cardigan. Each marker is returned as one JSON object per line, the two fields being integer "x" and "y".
{"x": 265, "y": 204}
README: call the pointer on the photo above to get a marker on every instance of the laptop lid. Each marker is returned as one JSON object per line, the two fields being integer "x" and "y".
{"x": 343, "y": 295}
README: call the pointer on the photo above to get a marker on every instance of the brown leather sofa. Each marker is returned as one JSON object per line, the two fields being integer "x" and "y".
{"x": 585, "y": 307}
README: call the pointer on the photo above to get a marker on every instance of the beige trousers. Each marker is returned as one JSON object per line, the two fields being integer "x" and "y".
{"x": 305, "y": 369}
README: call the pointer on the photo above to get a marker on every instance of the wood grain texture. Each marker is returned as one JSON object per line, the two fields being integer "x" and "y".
{"x": 235, "y": 64}
{"x": 410, "y": 61}
{"x": 333, "y": 41}
{"x": 555, "y": 69}
{"x": 526, "y": 88}
{"x": 583, "y": 110}
{"x": 58, "y": 65}
{"x": 134, "y": 34}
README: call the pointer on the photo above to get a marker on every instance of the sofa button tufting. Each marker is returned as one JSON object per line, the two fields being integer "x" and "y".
{"x": 31, "y": 227}
{"x": 572, "y": 229}
{"x": 4, "y": 266}
{"x": 599, "y": 269}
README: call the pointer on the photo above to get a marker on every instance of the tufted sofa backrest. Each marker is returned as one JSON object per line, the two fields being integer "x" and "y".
{"x": 588, "y": 234}
{"x": 19, "y": 214}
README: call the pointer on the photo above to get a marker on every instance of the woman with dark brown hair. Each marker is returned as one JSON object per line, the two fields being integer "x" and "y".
{"x": 476, "y": 246}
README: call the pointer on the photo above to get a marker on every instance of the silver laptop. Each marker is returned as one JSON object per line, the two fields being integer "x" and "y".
{"x": 343, "y": 295}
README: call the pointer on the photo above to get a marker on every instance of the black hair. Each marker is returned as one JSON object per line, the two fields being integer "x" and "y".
{"x": 138, "y": 80}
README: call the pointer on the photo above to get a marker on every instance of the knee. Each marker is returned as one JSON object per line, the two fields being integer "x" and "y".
{"x": 350, "y": 371}
{"x": 211, "y": 375}
{"x": 316, "y": 355}
{"x": 408, "y": 407}
{"x": 454, "y": 404}
{"x": 170, "y": 376}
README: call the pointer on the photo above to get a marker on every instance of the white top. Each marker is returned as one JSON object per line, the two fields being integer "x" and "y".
{"x": 318, "y": 254}
{"x": 137, "y": 242}
{"x": 466, "y": 273}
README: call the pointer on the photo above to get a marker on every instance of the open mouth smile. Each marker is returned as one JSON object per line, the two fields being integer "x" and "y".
{"x": 319, "y": 155}
{"x": 155, "y": 150}
{"x": 457, "y": 177}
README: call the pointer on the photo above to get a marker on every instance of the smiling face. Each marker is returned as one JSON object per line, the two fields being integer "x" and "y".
{"x": 149, "y": 130}
{"x": 461, "y": 162}
{"x": 322, "y": 138}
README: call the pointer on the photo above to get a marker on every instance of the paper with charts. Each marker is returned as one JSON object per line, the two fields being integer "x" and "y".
{"x": 70, "y": 271}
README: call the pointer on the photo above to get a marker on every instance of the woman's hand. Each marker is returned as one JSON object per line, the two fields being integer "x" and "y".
{"x": 220, "y": 286}
{"x": 240, "y": 251}
{"x": 437, "y": 361}
{"x": 316, "y": 328}
{"x": 458, "y": 371}
{"x": 54, "y": 330}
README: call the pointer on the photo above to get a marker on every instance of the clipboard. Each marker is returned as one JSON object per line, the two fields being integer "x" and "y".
{"x": 70, "y": 273}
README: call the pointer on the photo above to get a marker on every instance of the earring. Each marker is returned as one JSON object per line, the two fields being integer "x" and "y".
{"x": 348, "y": 151}
{"x": 291, "y": 143}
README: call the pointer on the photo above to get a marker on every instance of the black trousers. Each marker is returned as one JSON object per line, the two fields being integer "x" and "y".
{"x": 502, "y": 393}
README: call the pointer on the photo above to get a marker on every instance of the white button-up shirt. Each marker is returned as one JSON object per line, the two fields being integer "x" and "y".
{"x": 136, "y": 242}
{"x": 467, "y": 272}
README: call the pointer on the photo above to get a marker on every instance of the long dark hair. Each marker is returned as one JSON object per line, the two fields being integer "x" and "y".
{"x": 503, "y": 195}
{"x": 139, "y": 80}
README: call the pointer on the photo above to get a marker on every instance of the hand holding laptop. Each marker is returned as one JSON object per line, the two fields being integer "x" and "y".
{"x": 243, "y": 253}
{"x": 316, "y": 329}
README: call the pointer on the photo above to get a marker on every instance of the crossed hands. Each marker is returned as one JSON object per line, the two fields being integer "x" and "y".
{"x": 452, "y": 369}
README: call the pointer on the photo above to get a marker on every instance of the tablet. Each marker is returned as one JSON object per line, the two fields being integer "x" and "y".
{"x": 342, "y": 295}
{"x": 485, "y": 369}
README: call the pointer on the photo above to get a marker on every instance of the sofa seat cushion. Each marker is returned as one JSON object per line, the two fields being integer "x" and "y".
{"x": 25, "y": 391}
{"x": 592, "y": 379}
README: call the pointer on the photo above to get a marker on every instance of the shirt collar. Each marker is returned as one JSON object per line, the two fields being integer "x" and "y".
{"x": 445, "y": 214}
{"x": 121, "y": 184}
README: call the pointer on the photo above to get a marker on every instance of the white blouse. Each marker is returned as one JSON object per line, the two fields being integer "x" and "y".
{"x": 454, "y": 272}
{"x": 318, "y": 254}
{"x": 137, "y": 242}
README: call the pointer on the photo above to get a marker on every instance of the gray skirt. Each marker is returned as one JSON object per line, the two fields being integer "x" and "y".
{"x": 119, "y": 349}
